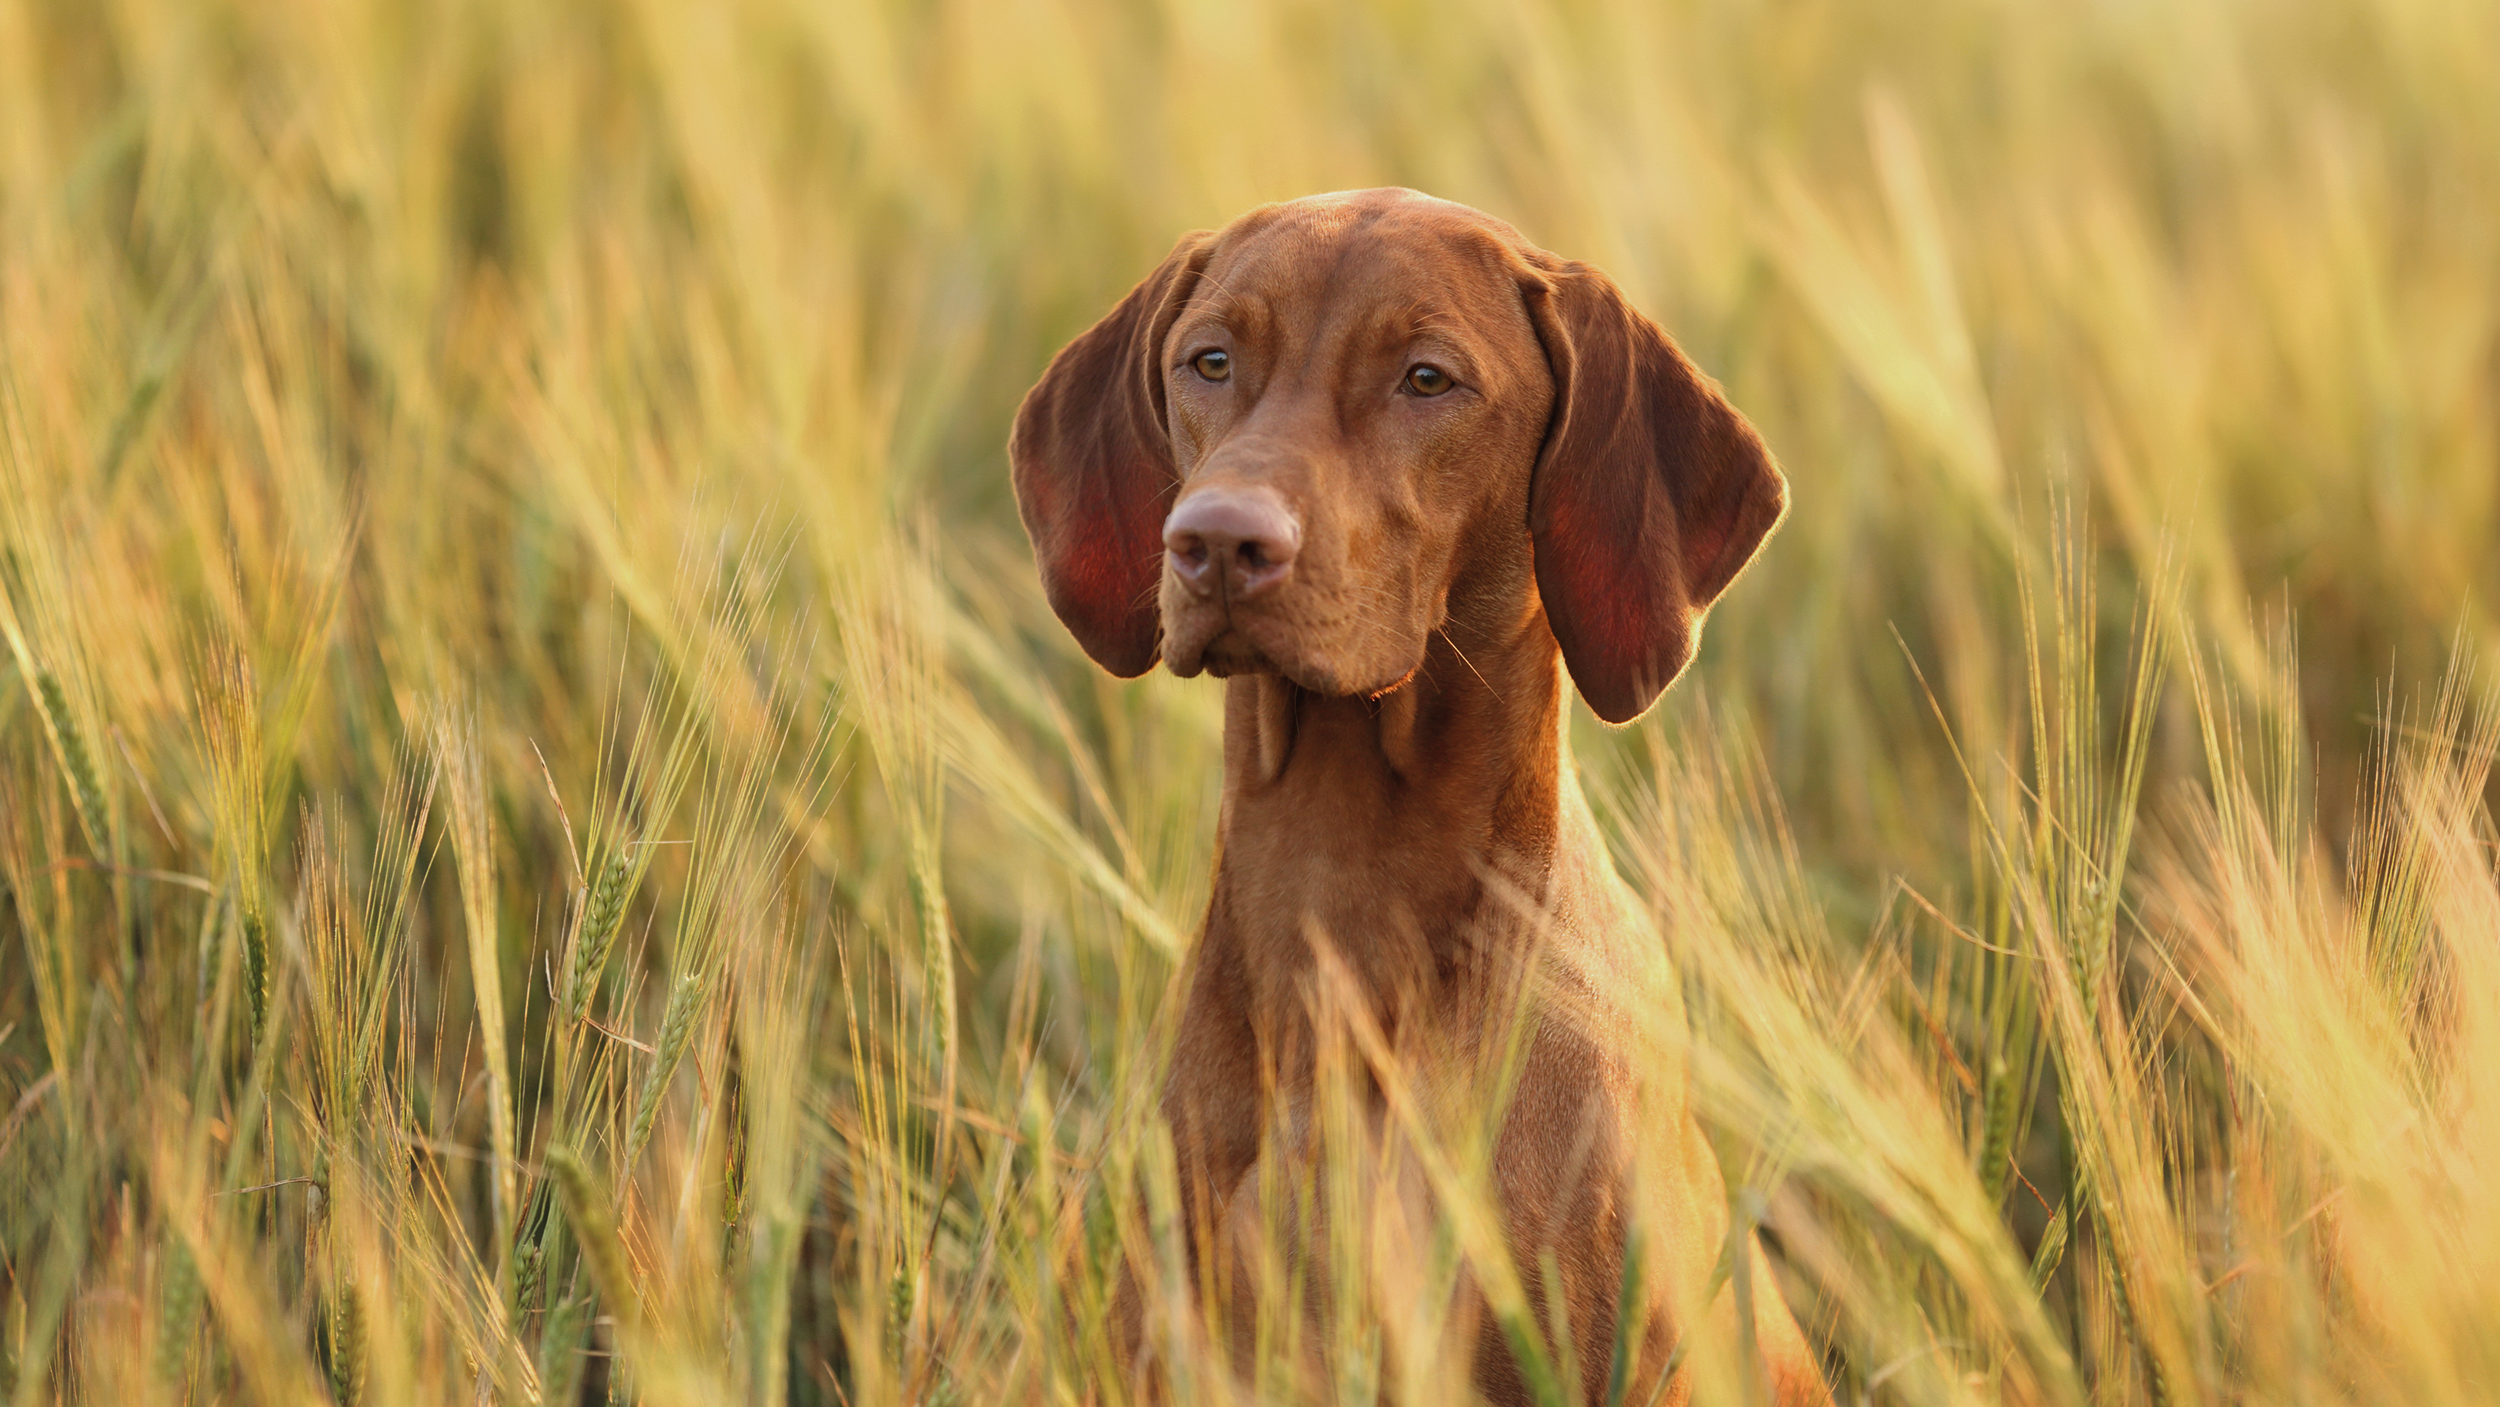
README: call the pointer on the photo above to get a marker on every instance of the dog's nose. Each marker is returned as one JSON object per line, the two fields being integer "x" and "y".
{"x": 1237, "y": 541}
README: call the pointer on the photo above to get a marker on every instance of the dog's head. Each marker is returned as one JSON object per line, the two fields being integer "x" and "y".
{"x": 1310, "y": 439}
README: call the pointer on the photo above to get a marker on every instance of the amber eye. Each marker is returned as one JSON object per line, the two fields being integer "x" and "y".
{"x": 1212, "y": 364}
{"x": 1425, "y": 379}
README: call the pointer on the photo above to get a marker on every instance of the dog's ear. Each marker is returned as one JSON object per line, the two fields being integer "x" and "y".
{"x": 1092, "y": 461}
{"x": 1650, "y": 495}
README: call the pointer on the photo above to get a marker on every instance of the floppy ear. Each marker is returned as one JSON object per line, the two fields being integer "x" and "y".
{"x": 1092, "y": 461}
{"x": 1650, "y": 496}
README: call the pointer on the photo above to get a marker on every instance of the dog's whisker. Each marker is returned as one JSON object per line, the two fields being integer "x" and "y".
{"x": 1444, "y": 632}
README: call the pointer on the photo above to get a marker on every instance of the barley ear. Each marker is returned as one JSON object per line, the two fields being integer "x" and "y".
{"x": 600, "y": 921}
{"x": 2052, "y": 1250}
{"x": 594, "y": 1227}
{"x": 347, "y": 1346}
{"x": 527, "y": 1265}
{"x": 178, "y": 1313}
{"x": 676, "y": 1029}
{"x": 69, "y": 744}
{"x": 560, "y": 1351}
{"x": 256, "y": 970}
{"x": 1996, "y": 1144}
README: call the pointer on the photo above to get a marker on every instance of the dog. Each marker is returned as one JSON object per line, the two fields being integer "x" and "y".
{"x": 1393, "y": 473}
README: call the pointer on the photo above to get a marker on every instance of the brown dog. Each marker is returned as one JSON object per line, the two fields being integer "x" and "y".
{"x": 1388, "y": 469}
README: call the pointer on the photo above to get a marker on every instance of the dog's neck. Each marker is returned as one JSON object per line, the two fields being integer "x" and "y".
{"x": 1411, "y": 832}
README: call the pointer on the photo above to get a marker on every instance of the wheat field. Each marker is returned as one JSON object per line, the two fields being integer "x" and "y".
{"x": 551, "y": 850}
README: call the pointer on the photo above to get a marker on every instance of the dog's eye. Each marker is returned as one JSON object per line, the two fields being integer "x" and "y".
{"x": 1213, "y": 365}
{"x": 1425, "y": 379}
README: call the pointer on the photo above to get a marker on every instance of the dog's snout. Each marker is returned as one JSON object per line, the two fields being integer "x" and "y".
{"x": 1233, "y": 541}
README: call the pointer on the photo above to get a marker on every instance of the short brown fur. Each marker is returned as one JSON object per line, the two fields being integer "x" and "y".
{"x": 1404, "y": 849}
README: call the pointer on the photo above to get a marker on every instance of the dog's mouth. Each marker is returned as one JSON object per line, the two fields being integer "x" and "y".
{"x": 1219, "y": 647}
{"x": 1229, "y": 649}
{"x": 1232, "y": 652}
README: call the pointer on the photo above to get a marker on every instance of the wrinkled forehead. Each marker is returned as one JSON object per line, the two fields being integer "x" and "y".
{"x": 1382, "y": 261}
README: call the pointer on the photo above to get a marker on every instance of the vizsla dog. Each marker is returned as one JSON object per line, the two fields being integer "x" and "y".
{"x": 1389, "y": 471}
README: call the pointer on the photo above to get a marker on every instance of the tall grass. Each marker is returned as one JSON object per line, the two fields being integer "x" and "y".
{"x": 550, "y": 848}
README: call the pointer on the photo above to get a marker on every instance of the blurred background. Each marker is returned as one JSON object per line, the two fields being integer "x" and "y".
{"x": 531, "y": 739}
